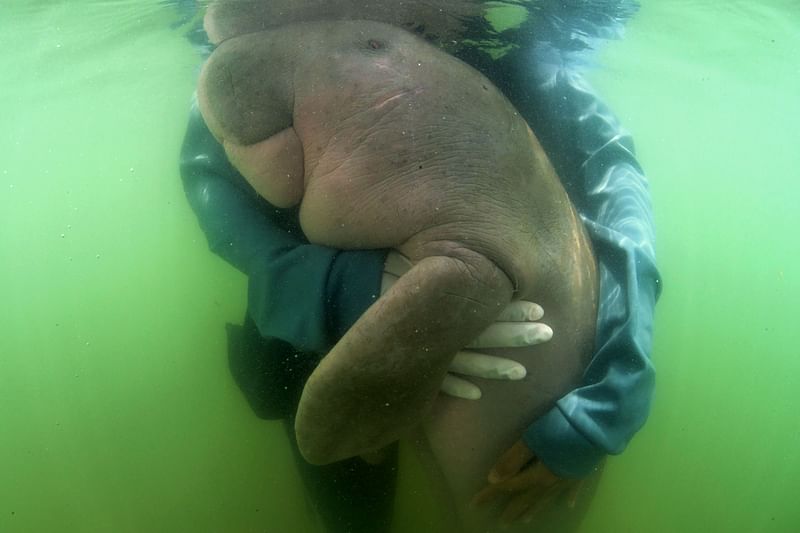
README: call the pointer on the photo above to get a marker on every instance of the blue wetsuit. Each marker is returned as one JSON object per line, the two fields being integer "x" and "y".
{"x": 303, "y": 297}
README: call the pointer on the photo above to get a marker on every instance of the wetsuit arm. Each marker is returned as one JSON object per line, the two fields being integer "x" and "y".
{"x": 595, "y": 158}
{"x": 304, "y": 294}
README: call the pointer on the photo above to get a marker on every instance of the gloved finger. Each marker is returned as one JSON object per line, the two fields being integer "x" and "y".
{"x": 521, "y": 311}
{"x": 387, "y": 280}
{"x": 480, "y": 365}
{"x": 512, "y": 335}
{"x": 460, "y": 388}
{"x": 396, "y": 263}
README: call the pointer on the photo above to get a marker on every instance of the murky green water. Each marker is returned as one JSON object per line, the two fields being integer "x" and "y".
{"x": 116, "y": 409}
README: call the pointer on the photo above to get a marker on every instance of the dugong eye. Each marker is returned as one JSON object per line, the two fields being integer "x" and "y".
{"x": 376, "y": 44}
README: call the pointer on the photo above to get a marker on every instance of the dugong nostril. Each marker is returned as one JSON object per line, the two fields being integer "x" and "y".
{"x": 376, "y": 44}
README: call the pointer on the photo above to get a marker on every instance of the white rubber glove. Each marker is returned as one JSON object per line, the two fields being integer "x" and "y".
{"x": 516, "y": 326}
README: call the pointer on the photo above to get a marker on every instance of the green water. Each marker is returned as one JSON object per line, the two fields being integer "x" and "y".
{"x": 116, "y": 409}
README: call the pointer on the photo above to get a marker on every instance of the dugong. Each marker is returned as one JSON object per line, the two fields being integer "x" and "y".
{"x": 385, "y": 141}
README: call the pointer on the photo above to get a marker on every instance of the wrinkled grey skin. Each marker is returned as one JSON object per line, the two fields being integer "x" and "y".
{"x": 387, "y": 142}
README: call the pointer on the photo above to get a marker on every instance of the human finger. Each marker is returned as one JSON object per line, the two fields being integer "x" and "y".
{"x": 521, "y": 311}
{"x": 546, "y": 497}
{"x": 486, "y": 366}
{"x": 520, "y": 482}
{"x": 517, "y": 508}
{"x": 574, "y": 492}
{"x": 486, "y": 495}
{"x": 512, "y": 335}
{"x": 460, "y": 388}
{"x": 511, "y": 462}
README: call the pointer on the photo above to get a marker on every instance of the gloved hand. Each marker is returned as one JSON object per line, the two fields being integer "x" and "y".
{"x": 516, "y": 326}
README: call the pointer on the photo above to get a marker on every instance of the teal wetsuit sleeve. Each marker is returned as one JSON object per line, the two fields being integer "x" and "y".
{"x": 304, "y": 294}
{"x": 595, "y": 158}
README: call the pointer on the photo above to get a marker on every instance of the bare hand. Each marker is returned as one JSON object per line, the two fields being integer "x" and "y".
{"x": 528, "y": 483}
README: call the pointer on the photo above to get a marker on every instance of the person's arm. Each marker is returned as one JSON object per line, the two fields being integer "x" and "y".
{"x": 596, "y": 162}
{"x": 595, "y": 158}
{"x": 304, "y": 294}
